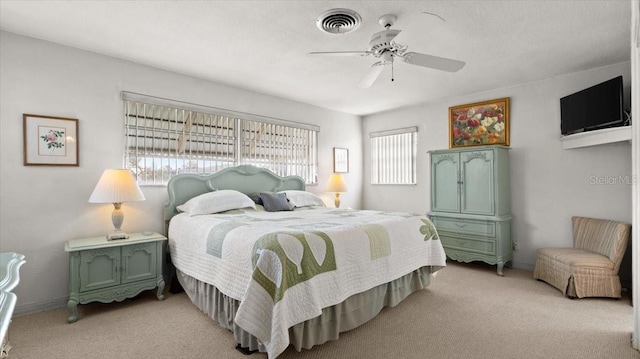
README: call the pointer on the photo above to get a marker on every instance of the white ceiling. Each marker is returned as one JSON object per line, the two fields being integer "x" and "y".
{"x": 263, "y": 45}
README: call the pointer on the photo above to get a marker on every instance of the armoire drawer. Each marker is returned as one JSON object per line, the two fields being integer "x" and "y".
{"x": 478, "y": 245}
{"x": 486, "y": 229}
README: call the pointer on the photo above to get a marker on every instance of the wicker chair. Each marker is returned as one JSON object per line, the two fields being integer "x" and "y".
{"x": 590, "y": 268}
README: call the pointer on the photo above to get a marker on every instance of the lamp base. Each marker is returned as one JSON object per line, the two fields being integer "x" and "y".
{"x": 117, "y": 235}
{"x": 117, "y": 217}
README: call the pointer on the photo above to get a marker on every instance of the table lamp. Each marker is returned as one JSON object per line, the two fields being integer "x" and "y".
{"x": 337, "y": 185}
{"x": 116, "y": 186}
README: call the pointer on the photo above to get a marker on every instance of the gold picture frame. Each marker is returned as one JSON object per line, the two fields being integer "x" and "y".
{"x": 479, "y": 124}
{"x": 50, "y": 141}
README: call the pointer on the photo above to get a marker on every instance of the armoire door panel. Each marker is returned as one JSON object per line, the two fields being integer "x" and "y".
{"x": 477, "y": 187}
{"x": 445, "y": 172}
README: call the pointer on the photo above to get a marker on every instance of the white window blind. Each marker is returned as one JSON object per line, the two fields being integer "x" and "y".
{"x": 164, "y": 138}
{"x": 393, "y": 156}
{"x": 283, "y": 149}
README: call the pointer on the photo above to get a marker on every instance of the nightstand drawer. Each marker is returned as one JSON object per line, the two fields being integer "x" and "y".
{"x": 477, "y": 245}
{"x": 486, "y": 229}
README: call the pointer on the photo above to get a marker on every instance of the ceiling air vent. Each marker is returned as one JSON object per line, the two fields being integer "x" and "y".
{"x": 338, "y": 21}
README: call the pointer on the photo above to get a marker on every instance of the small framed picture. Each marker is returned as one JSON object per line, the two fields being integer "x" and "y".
{"x": 340, "y": 160}
{"x": 50, "y": 141}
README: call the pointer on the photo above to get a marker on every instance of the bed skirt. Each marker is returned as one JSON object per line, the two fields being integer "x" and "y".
{"x": 351, "y": 313}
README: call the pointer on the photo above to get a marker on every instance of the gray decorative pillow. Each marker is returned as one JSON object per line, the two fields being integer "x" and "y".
{"x": 274, "y": 202}
{"x": 256, "y": 198}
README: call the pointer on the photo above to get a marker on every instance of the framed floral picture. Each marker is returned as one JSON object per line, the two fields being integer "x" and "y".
{"x": 50, "y": 141}
{"x": 480, "y": 123}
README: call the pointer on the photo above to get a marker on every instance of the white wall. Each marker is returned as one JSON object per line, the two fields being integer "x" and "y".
{"x": 43, "y": 206}
{"x": 548, "y": 184}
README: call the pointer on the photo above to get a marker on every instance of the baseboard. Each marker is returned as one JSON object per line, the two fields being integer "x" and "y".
{"x": 521, "y": 265}
{"x": 41, "y": 307}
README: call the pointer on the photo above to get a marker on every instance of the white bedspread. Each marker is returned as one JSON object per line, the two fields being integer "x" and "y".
{"x": 285, "y": 267}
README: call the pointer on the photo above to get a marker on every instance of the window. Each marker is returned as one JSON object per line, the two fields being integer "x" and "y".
{"x": 393, "y": 156}
{"x": 285, "y": 150}
{"x": 164, "y": 138}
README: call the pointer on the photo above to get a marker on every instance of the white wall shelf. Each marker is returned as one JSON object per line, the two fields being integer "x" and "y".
{"x": 598, "y": 137}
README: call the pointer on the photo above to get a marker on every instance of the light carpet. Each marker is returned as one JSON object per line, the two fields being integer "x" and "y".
{"x": 467, "y": 312}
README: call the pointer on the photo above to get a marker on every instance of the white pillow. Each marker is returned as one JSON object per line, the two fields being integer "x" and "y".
{"x": 216, "y": 201}
{"x": 303, "y": 198}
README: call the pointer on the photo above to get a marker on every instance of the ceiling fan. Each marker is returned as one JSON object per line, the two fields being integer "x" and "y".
{"x": 384, "y": 47}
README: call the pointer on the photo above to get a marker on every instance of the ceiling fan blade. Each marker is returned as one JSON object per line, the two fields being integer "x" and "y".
{"x": 418, "y": 27}
{"x": 340, "y": 53}
{"x": 434, "y": 62}
{"x": 371, "y": 75}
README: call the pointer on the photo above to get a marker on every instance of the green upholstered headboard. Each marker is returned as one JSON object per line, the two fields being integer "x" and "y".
{"x": 246, "y": 179}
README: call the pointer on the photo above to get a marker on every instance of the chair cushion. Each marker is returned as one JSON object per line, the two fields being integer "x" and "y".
{"x": 602, "y": 236}
{"x": 577, "y": 258}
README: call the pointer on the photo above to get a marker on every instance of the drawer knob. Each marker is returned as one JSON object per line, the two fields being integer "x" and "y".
{"x": 461, "y": 225}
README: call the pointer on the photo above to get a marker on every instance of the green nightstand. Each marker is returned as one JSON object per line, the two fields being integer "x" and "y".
{"x": 106, "y": 271}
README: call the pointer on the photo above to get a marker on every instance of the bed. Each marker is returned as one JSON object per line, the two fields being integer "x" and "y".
{"x": 290, "y": 271}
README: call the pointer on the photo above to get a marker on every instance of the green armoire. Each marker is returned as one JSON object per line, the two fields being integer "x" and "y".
{"x": 470, "y": 203}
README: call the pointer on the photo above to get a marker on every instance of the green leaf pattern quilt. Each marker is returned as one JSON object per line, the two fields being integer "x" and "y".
{"x": 285, "y": 267}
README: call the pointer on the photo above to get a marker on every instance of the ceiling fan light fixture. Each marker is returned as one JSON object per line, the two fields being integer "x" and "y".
{"x": 338, "y": 21}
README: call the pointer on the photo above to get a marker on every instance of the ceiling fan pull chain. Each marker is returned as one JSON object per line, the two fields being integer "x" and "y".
{"x": 392, "y": 69}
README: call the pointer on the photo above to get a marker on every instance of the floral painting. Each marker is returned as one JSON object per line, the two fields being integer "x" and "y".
{"x": 51, "y": 141}
{"x": 481, "y": 123}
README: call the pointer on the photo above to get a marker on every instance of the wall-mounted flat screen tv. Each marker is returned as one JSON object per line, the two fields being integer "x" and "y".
{"x": 596, "y": 107}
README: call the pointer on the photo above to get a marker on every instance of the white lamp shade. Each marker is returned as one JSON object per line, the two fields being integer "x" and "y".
{"x": 336, "y": 183}
{"x": 116, "y": 186}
